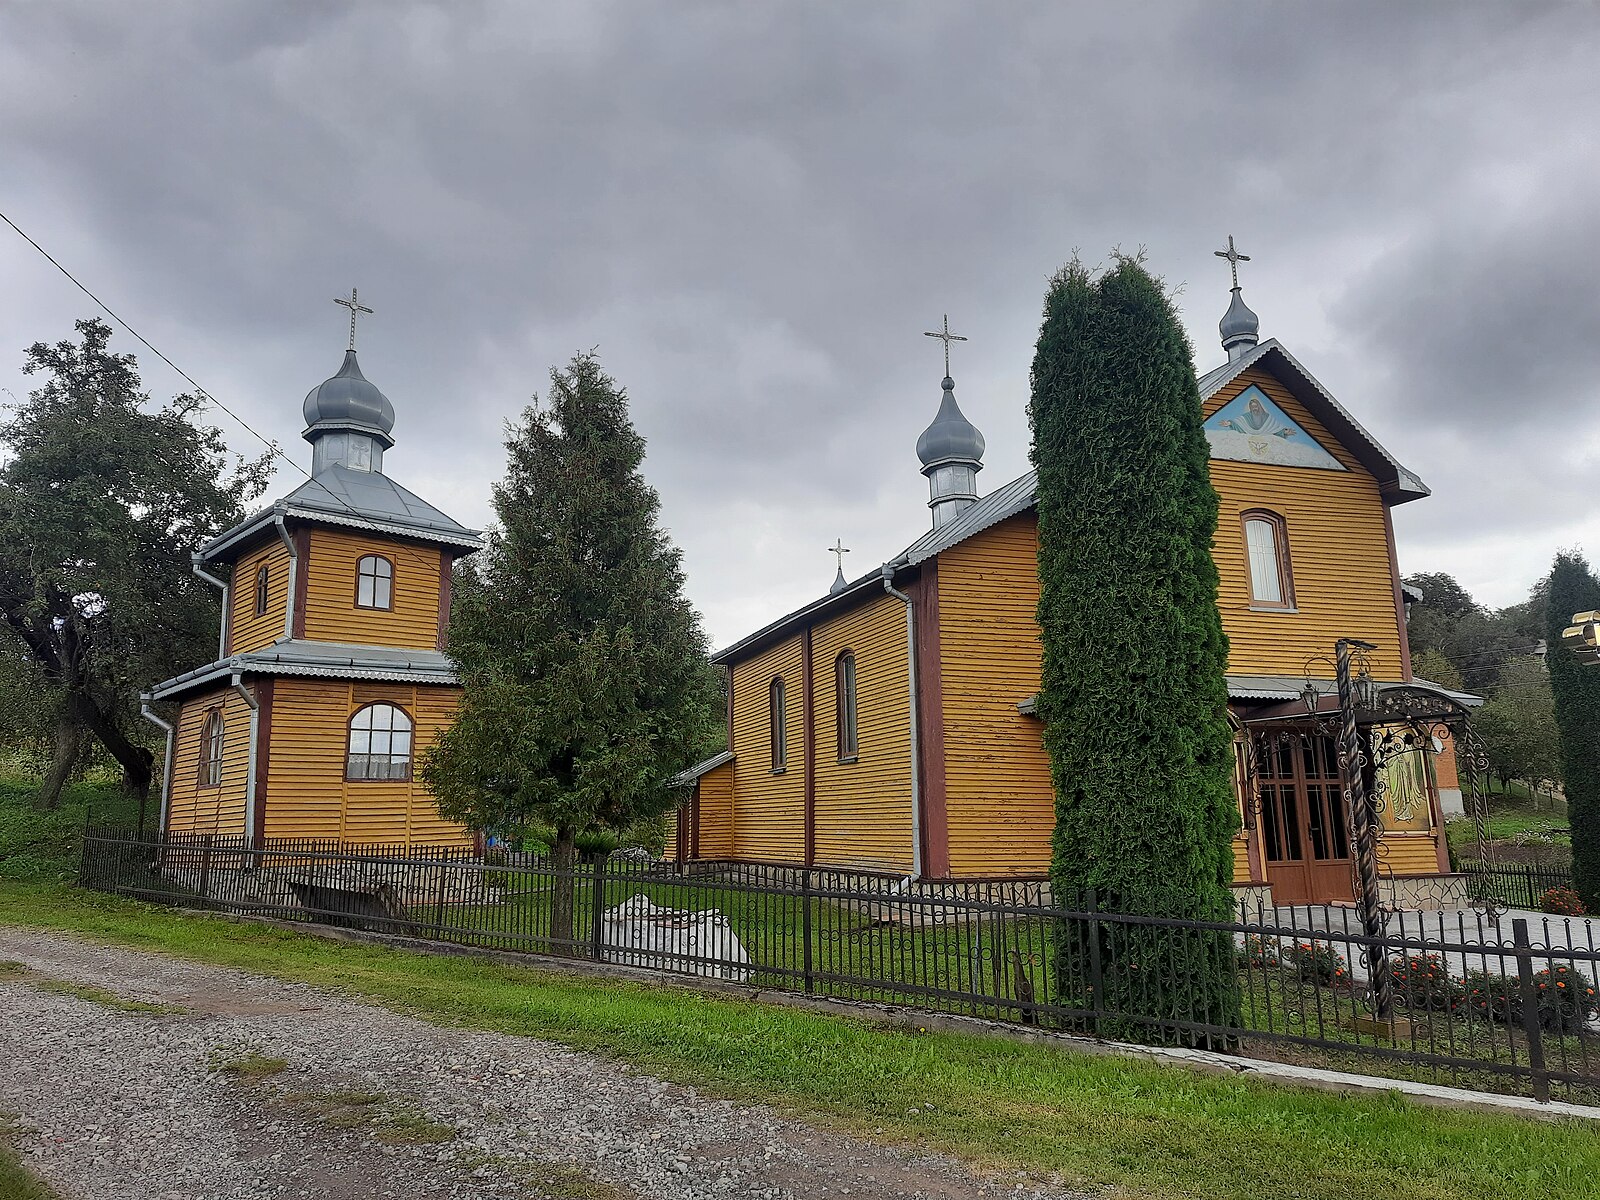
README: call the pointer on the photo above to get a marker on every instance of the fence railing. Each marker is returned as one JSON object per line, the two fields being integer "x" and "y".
{"x": 1514, "y": 885}
{"x": 1479, "y": 1001}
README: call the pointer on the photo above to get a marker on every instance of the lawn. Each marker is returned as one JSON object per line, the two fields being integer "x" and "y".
{"x": 44, "y": 847}
{"x": 1135, "y": 1129}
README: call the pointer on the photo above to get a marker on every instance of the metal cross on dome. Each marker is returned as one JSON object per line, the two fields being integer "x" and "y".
{"x": 946, "y": 337}
{"x": 1234, "y": 259}
{"x": 839, "y": 550}
{"x": 354, "y": 308}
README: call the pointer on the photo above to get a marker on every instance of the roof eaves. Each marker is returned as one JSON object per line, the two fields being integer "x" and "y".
{"x": 467, "y": 538}
{"x": 685, "y": 777}
{"x": 841, "y": 599}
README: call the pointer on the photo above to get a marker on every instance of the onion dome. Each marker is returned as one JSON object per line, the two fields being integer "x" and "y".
{"x": 951, "y": 437}
{"x": 839, "y": 584}
{"x": 348, "y": 401}
{"x": 1240, "y": 328}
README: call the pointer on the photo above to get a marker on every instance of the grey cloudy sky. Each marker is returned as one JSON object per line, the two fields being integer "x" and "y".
{"x": 754, "y": 210}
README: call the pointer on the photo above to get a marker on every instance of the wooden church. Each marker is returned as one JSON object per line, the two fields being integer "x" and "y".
{"x": 889, "y": 725}
{"x": 331, "y": 676}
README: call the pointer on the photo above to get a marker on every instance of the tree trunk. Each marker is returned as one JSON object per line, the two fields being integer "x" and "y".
{"x": 563, "y": 900}
{"x": 136, "y": 761}
{"x": 68, "y": 748}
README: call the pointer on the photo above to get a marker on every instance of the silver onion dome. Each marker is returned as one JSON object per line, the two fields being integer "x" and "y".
{"x": 951, "y": 437}
{"x": 349, "y": 401}
{"x": 1240, "y": 328}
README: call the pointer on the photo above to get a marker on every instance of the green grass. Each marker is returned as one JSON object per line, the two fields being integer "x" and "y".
{"x": 1512, "y": 819}
{"x": 16, "y": 1181}
{"x": 1138, "y": 1129}
{"x": 37, "y": 846}
{"x": 250, "y": 1066}
{"x": 392, "y": 1122}
{"x": 84, "y": 991}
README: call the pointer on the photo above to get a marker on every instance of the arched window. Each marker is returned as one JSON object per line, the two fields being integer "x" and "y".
{"x": 844, "y": 695}
{"x": 263, "y": 584}
{"x": 211, "y": 732}
{"x": 380, "y": 743}
{"x": 1266, "y": 545}
{"x": 374, "y": 582}
{"x": 776, "y": 723}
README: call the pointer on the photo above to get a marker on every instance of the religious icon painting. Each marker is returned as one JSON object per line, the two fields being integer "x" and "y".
{"x": 1251, "y": 428}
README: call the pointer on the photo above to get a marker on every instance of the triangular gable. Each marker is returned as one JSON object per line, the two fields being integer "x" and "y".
{"x": 1251, "y": 428}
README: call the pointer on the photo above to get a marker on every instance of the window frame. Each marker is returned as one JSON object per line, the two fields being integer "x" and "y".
{"x": 411, "y": 744}
{"x": 778, "y": 724}
{"x": 846, "y": 731}
{"x": 1280, "y": 543}
{"x": 263, "y": 595}
{"x": 213, "y": 737}
{"x": 386, "y": 561}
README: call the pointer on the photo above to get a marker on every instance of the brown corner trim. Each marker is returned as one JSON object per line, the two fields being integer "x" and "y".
{"x": 263, "y": 690}
{"x": 1399, "y": 596}
{"x": 930, "y": 718}
{"x": 302, "y": 578}
{"x": 808, "y": 723}
{"x": 447, "y": 563}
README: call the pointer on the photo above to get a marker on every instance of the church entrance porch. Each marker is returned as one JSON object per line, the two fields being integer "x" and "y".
{"x": 1305, "y": 837}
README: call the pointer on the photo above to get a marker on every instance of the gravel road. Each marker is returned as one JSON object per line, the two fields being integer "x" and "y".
{"x": 256, "y": 1088}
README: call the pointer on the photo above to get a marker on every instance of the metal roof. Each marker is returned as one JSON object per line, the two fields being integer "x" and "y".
{"x": 848, "y": 595}
{"x": 340, "y": 495}
{"x": 329, "y": 660}
{"x": 686, "y": 777}
{"x": 1285, "y": 687}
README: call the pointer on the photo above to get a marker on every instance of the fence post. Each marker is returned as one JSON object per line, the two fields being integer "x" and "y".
{"x": 205, "y": 868}
{"x": 438, "y": 901}
{"x": 599, "y": 906}
{"x": 805, "y": 931}
{"x": 1096, "y": 981}
{"x": 1531, "y": 1027}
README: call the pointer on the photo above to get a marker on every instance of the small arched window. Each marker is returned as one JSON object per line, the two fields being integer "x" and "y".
{"x": 1266, "y": 545}
{"x": 374, "y": 582}
{"x": 844, "y": 695}
{"x": 380, "y": 743}
{"x": 211, "y": 735}
{"x": 263, "y": 586}
{"x": 776, "y": 724}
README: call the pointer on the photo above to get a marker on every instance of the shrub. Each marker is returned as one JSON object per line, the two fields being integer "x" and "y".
{"x": 1562, "y": 901}
{"x": 1317, "y": 962}
{"x": 1491, "y": 996}
{"x": 1423, "y": 983}
{"x": 1565, "y": 997}
{"x": 1258, "y": 953}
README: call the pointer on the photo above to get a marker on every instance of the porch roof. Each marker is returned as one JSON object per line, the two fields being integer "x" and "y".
{"x": 328, "y": 660}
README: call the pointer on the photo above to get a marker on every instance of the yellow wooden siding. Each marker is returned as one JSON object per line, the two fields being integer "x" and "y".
{"x": 1241, "y": 859}
{"x": 768, "y": 810}
{"x": 1338, "y": 554}
{"x": 1410, "y": 854}
{"x": 999, "y": 801}
{"x": 247, "y": 631}
{"x": 669, "y": 851}
{"x": 863, "y": 809}
{"x": 716, "y": 813}
{"x": 331, "y": 612}
{"x": 192, "y": 808}
{"x": 307, "y": 793}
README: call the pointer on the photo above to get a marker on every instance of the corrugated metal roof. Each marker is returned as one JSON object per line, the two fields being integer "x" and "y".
{"x": 1285, "y": 687}
{"x": 686, "y": 777}
{"x": 332, "y": 660}
{"x": 1005, "y": 501}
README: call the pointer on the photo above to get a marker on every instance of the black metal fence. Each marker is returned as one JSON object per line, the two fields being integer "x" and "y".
{"x": 1516, "y": 885}
{"x": 1477, "y": 1001}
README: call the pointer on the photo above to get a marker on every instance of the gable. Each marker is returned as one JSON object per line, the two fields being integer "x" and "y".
{"x": 1253, "y": 428}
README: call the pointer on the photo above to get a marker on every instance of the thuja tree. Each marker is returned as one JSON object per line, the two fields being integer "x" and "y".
{"x": 1576, "y": 687}
{"x": 584, "y": 672}
{"x": 1133, "y": 698}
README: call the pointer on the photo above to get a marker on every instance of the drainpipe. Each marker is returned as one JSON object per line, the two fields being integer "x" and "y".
{"x": 916, "y": 759}
{"x": 197, "y": 564}
{"x": 250, "y": 778}
{"x": 294, "y": 574}
{"x": 148, "y": 714}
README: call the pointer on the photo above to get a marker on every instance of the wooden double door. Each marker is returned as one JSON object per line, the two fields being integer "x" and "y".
{"x": 1305, "y": 828}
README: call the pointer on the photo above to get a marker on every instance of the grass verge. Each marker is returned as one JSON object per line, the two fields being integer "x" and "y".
{"x": 1134, "y": 1129}
{"x": 16, "y": 1181}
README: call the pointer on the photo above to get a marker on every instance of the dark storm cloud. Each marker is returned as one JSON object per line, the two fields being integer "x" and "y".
{"x": 756, "y": 210}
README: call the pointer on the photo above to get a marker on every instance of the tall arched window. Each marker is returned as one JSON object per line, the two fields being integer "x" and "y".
{"x": 263, "y": 585}
{"x": 211, "y": 734}
{"x": 776, "y": 723}
{"x": 844, "y": 695}
{"x": 374, "y": 582}
{"x": 380, "y": 743}
{"x": 1266, "y": 545}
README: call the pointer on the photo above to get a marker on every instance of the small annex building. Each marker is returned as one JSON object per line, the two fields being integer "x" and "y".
{"x": 888, "y": 726}
{"x": 330, "y": 676}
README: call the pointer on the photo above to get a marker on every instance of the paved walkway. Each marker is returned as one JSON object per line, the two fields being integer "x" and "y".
{"x": 248, "y": 1088}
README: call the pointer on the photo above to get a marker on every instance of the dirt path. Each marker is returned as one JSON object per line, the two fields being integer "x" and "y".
{"x": 253, "y": 1088}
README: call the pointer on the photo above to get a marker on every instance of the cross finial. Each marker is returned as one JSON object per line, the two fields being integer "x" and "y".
{"x": 1234, "y": 259}
{"x": 839, "y": 550}
{"x": 354, "y": 308}
{"x": 946, "y": 337}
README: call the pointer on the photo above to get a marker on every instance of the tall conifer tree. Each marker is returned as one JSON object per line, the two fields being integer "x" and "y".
{"x": 584, "y": 672}
{"x": 1134, "y": 697}
{"x": 1576, "y": 688}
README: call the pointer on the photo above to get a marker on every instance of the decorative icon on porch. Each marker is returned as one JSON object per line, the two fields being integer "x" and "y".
{"x": 1251, "y": 428}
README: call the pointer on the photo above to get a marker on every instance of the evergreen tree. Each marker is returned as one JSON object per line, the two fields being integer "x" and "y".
{"x": 1134, "y": 697}
{"x": 1576, "y": 685}
{"x": 584, "y": 669}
